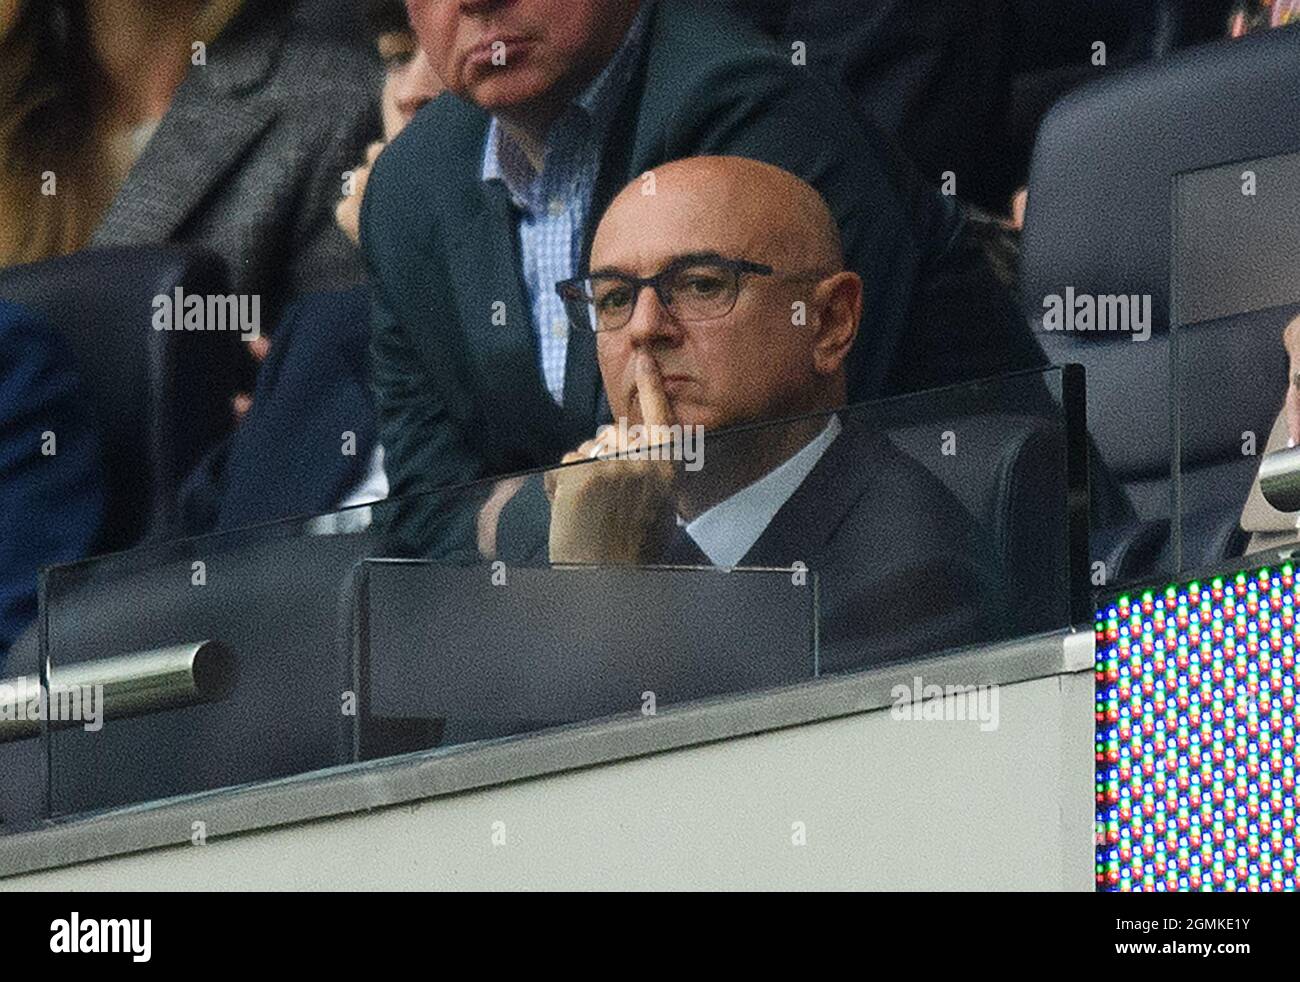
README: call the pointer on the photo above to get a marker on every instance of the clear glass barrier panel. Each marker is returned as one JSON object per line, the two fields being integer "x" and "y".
{"x": 676, "y": 565}
{"x": 1236, "y": 287}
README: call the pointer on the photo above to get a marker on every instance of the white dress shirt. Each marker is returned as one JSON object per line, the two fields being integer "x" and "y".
{"x": 349, "y": 518}
{"x": 730, "y": 528}
{"x": 373, "y": 487}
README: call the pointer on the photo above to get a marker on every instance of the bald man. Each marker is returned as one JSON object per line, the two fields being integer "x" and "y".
{"x": 719, "y": 297}
{"x": 492, "y": 194}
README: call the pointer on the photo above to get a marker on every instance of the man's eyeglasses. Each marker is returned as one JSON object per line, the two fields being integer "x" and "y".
{"x": 691, "y": 289}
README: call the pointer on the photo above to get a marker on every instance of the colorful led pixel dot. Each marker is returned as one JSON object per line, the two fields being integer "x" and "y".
{"x": 1195, "y": 722}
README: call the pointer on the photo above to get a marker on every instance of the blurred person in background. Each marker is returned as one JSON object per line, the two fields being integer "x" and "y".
{"x": 1267, "y": 527}
{"x": 51, "y": 483}
{"x": 226, "y": 124}
{"x": 409, "y": 84}
{"x": 1256, "y": 15}
{"x": 307, "y": 442}
{"x": 933, "y": 74}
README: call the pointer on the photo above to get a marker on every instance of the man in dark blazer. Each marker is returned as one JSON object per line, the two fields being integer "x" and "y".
{"x": 487, "y": 191}
{"x": 51, "y": 484}
{"x": 690, "y": 295}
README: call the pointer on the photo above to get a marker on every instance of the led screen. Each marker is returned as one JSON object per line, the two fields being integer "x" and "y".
{"x": 1195, "y": 752}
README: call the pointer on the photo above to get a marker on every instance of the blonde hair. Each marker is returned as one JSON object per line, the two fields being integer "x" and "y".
{"x": 45, "y": 142}
{"x": 57, "y": 173}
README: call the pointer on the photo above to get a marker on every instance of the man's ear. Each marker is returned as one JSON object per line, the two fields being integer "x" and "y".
{"x": 838, "y": 302}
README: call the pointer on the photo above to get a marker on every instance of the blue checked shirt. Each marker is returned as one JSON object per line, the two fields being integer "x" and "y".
{"x": 553, "y": 206}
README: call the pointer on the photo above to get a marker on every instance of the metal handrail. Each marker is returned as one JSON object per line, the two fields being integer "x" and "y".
{"x": 136, "y": 684}
{"x": 1279, "y": 479}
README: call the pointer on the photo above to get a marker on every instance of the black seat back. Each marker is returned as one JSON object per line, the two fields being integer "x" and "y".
{"x": 160, "y": 398}
{"x": 1100, "y": 187}
{"x": 1010, "y": 476}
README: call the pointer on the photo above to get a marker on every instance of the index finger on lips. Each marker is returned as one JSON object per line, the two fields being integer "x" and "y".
{"x": 650, "y": 394}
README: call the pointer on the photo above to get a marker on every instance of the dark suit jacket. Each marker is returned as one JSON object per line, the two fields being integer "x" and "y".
{"x": 461, "y": 398}
{"x": 249, "y": 159}
{"x": 935, "y": 74}
{"x": 51, "y": 506}
{"x": 902, "y": 570}
{"x": 286, "y": 458}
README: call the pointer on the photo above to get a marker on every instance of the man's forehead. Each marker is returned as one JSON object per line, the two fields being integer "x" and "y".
{"x": 649, "y": 233}
{"x": 644, "y": 260}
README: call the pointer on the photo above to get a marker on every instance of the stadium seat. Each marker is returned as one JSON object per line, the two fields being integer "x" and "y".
{"x": 1001, "y": 475}
{"x": 1054, "y": 39}
{"x": 1099, "y": 221}
{"x": 161, "y": 398}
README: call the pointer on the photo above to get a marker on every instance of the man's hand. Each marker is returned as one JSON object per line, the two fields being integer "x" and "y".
{"x": 241, "y": 403}
{"x": 1291, "y": 339}
{"x": 1019, "y": 202}
{"x": 490, "y": 514}
{"x": 615, "y": 511}
{"x": 348, "y": 212}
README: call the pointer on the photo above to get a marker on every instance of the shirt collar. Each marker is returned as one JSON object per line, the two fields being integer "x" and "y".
{"x": 727, "y": 531}
{"x": 503, "y": 158}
